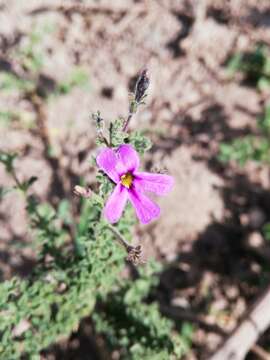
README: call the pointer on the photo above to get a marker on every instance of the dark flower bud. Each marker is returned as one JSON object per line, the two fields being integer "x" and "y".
{"x": 134, "y": 254}
{"x": 141, "y": 86}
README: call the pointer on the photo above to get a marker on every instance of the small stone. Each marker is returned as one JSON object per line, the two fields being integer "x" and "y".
{"x": 232, "y": 292}
{"x": 62, "y": 287}
{"x": 180, "y": 301}
{"x": 19, "y": 329}
{"x": 255, "y": 239}
{"x": 244, "y": 219}
{"x": 256, "y": 217}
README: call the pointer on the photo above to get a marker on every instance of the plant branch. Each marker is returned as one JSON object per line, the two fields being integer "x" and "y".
{"x": 119, "y": 237}
{"x": 179, "y": 314}
{"x": 138, "y": 96}
{"x": 248, "y": 332}
{"x": 15, "y": 178}
{"x": 128, "y": 121}
{"x": 134, "y": 252}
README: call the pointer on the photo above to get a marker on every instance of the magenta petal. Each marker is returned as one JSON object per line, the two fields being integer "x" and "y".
{"x": 116, "y": 203}
{"x": 145, "y": 208}
{"x": 107, "y": 162}
{"x": 159, "y": 184}
{"x": 129, "y": 158}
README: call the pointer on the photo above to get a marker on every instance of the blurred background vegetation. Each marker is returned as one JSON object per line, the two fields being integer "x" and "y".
{"x": 208, "y": 117}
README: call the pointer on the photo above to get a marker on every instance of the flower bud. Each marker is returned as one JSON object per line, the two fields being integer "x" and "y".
{"x": 100, "y": 125}
{"x": 81, "y": 191}
{"x": 141, "y": 86}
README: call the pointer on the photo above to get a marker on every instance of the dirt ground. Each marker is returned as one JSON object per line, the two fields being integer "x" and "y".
{"x": 215, "y": 211}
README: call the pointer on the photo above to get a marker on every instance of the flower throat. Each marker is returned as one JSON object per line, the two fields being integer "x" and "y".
{"x": 126, "y": 180}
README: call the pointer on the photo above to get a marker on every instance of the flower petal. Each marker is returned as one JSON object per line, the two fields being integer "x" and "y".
{"x": 129, "y": 158}
{"x": 145, "y": 208}
{"x": 107, "y": 162}
{"x": 116, "y": 203}
{"x": 159, "y": 184}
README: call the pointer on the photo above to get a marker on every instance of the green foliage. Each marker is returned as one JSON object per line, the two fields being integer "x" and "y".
{"x": 78, "y": 267}
{"x": 29, "y": 53}
{"x": 68, "y": 280}
{"x": 25, "y": 185}
{"x": 255, "y": 65}
{"x": 264, "y": 121}
{"x": 10, "y": 82}
{"x": 77, "y": 77}
{"x": 250, "y": 147}
{"x": 117, "y": 135}
{"x": 63, "y": 288}
{"x": 266, "y": 231}
{"x": 64, "y": 212}
{"x": 135, "y": 327}
{"x": 240, "y": 150}
{"x": 5, "y": 117}
{"x": 7, "y": 159}
{"x": 140, "y": 142}
{"x": 31, "y": 57}
{"x": 3, "y": 192}
{"x": 17, "y": 119}
{"x": 106, "y": 185}
{"x": 187, "y": 331}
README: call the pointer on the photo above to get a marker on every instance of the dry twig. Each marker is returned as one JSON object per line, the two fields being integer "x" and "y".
{"x": 248, "y": 332}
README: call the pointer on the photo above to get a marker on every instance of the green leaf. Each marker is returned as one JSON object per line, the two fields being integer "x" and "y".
{"x": 263, "y": 83}
{"x": 64, "y": 211}
{"x": 140, "y": 142}
{"x": 10, "y": 82}
{"x": 4, "y": 191}
{"x": 234, "y": 63}
{"x": 117, "y": 135}
{"x": 240, "y": 150}
{"x": 7, "y": 159}
{"x": 266, "y": 231}
{"x": 6, "y": 117}
{"x": 26, "y": 184}
{"x": 254, "y": 64}
{"x": 77, "y": 78}
{"x": 46, "y": 211}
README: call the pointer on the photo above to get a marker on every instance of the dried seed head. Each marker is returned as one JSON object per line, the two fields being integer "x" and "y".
{"x": 141, "y": 86}
{"x": 81, "y": 191}
{"x": 159, "y": 170}
{"x": 134, "y": 254}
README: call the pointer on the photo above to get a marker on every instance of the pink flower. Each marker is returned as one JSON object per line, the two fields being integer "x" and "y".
{"x": 121, "y": 166}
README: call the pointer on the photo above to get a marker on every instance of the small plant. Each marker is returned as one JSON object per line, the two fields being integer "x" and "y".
{"x": 79, "y": 262}
{"x": 254, "y": 65}
{"x": 135, "y": 327}
{"x": 77, "y": 78}
{"x": 30, "y": 59}
{"x": 250, "y": 147}
{"x": 27, "y": 79}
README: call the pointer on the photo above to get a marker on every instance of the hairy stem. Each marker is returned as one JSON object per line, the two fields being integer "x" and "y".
{"x": 125, "y": 126}
{"x": 120, "y": 238}
{"x": 134, "y": 252}
{"x": 15, "y": 178}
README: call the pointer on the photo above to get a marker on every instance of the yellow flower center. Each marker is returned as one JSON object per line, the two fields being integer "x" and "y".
{"x": 126, "y": 180}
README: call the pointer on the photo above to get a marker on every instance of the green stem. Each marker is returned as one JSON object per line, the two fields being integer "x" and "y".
{"x": 127, "y": 121}
{"x": 120, "y": 238}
